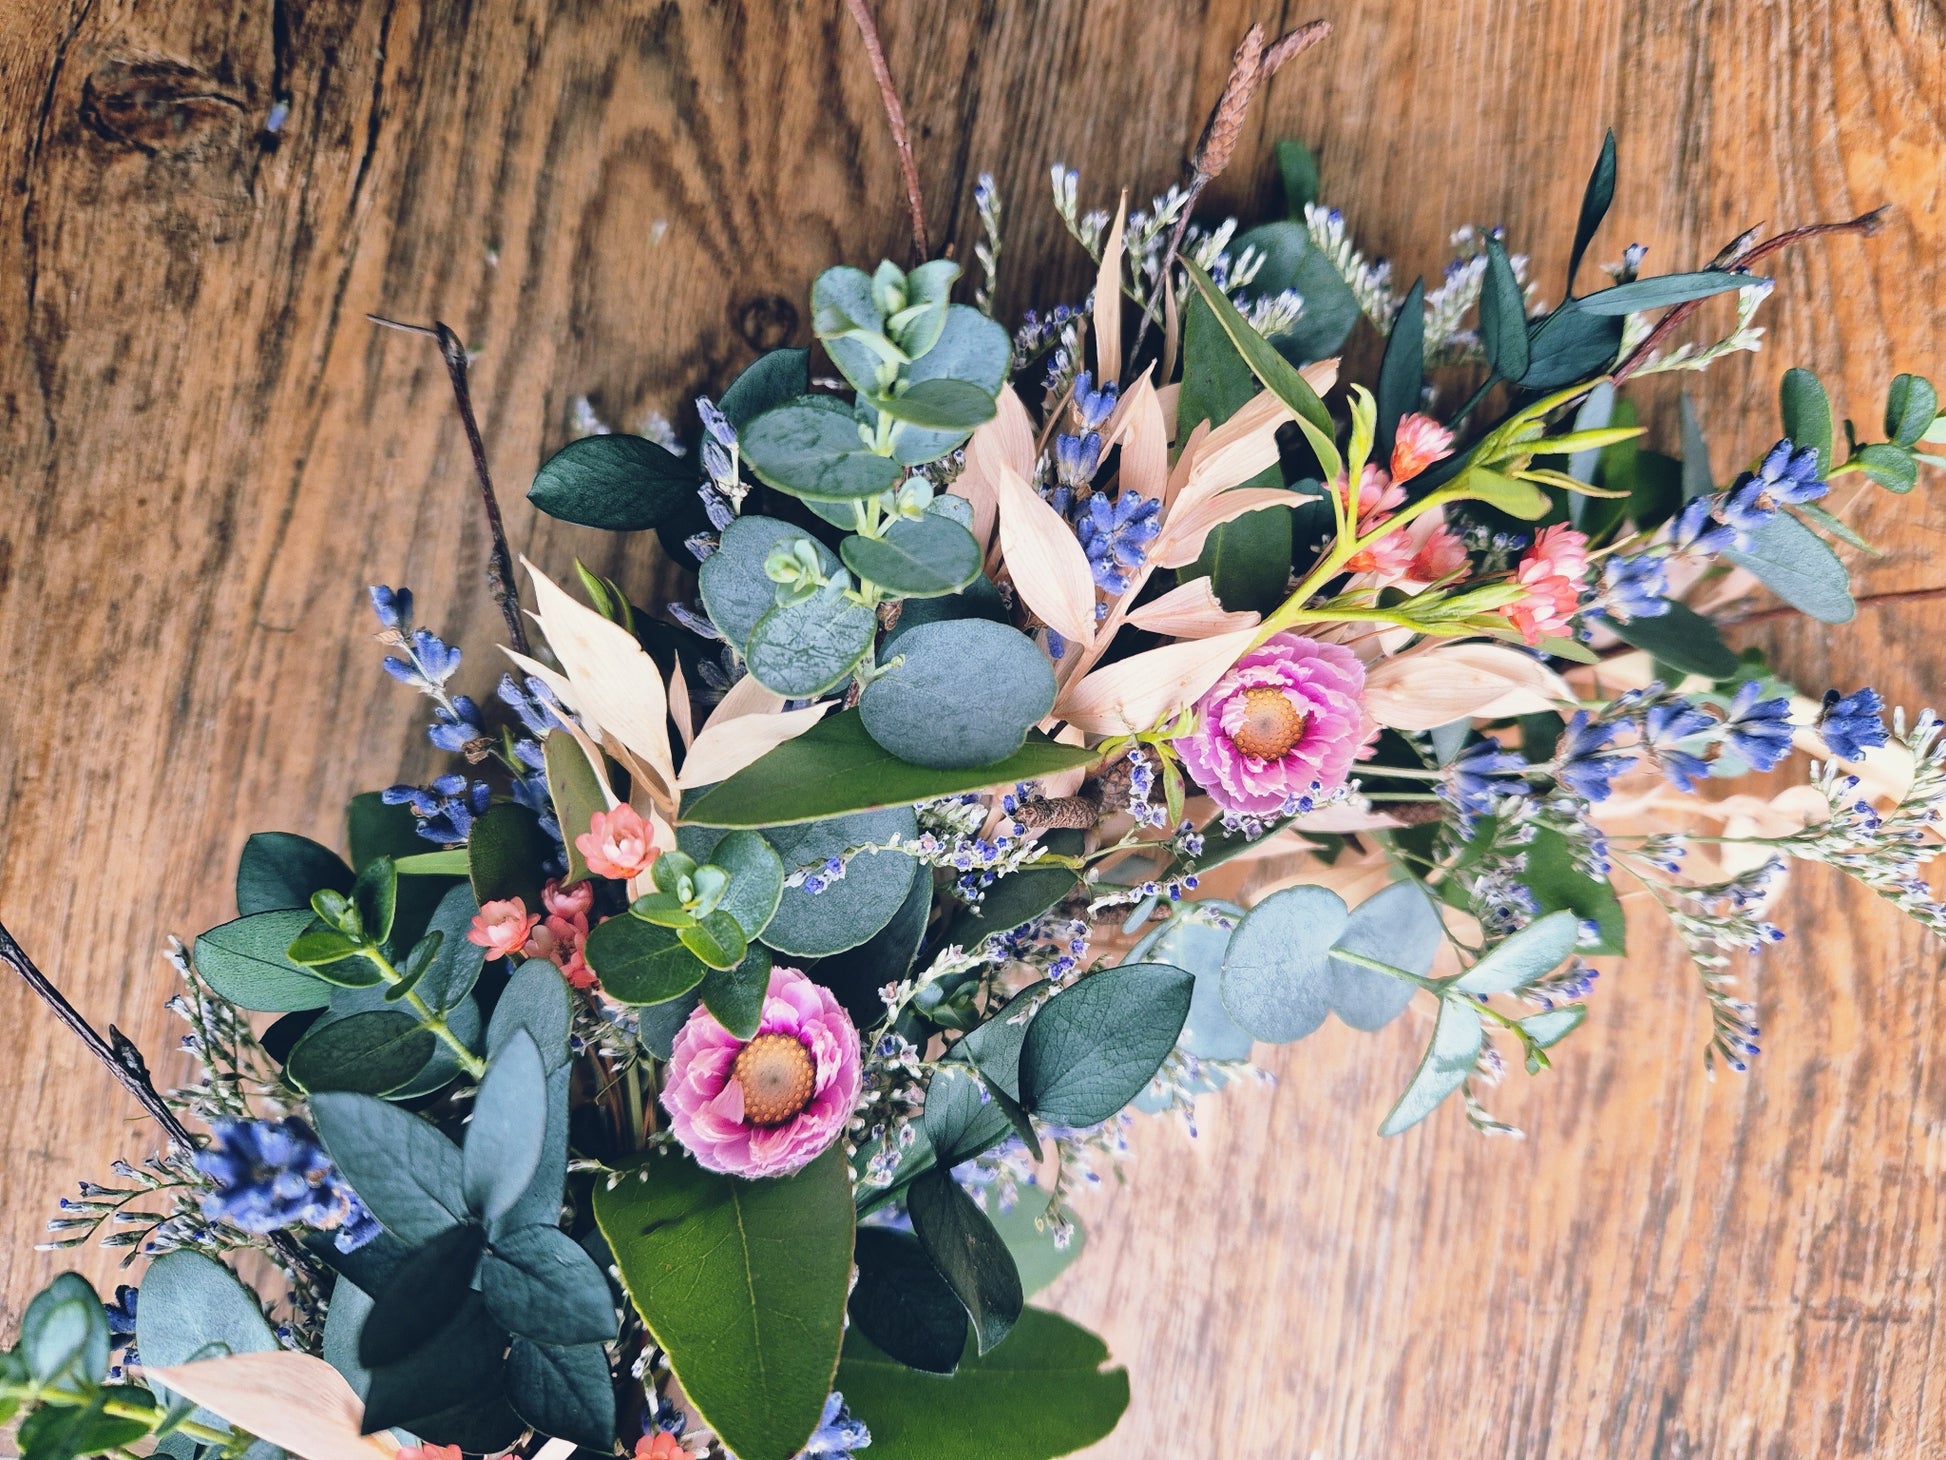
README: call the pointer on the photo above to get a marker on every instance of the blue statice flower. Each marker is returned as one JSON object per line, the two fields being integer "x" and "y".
{"x": 1664, "y": 729}
{"x": 837, "y": 1434}
{"x": 458, "y": 727}
{"x": 1582, "y": 761}
{"x": 1076, "y": 458}
{"x": 120, "y": 1313}
{"x": 446, "y": 809}
{"x": 1787, "y": 475}
{"x": 1757, "y": 729}
{"x": 1853, "y": 724}
{"x": 1480, "y": 778}
{"x": 269, "y": 1175}
{"x": 392, "y": 605}
{"x": 1698, "y": 531}
{"x": 1116, "y": 536}
{"x": 1634, "y": 587}
{"x": 1093, "y": 407}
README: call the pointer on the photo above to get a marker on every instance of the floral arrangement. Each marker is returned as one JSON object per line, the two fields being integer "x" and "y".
{"x": 710, "y": 1062}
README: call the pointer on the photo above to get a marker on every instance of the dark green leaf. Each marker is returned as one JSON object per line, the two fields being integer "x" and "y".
{"x": 564, "y": 1391}
{"x": 756, "y": 879}
{"x": 903, "y": 1305}
{"x": 1557, "y": 884}
{"x": 504, "y": 1138}
{"x": 735, "y": 996}
{"x": 802, "y": 649}
{"x": 1248, "y": 560}
{"x": 505, "y": 853}
{"x": 811, "y": 448}
{"x": 575, "y": 791}
{"x": 1568, "y": 346}
{"x": 1041, "y": 1394}
{"x": 961, "y": 1119}
{"x": 1448, "y": 1060}
{"x": 402, "y": 1168}
{"x": 926, "y": 711}
{"x": 1892, "y": 467}
{"x": 640, "y": 963}
{"x": 422, "y": 1295}
{"x": 1662, "y": 290}
{"x": 245, "y": 962}
{"x": 379, "y": 830}
{"x": 374, "y": 1053}
{"x": 539, "y": 1283}
{"x": 1503, "y": 315}
{"x": 1277, "y": 972}
{"x": 927, "y": 556}
{"x": 344, "y": 1326}
{"x": 1529, "y": 954}
{"x": 1799, "y": 567}
{"x": 617, "y": 483}
{"x": 280, "y": 869}
{"x": 459, "y": 1365}
{"x": 939, "y": 405}
{"x": 769, "y": 380}
{"x": 535, "y": 1000}
{"x": 1297, "y": 169}
{"x": 64, "y": 1333}
{"x": 1683, "y": 639}
{"x": 456, "y": 966}
{"x": 62, "y": 1432}
{"x": 1095, "y": 1046}
{"x": 836, "y": 767}
{"x": 1807, "y": 414}
{"x": 743, "y": 1284}
{"x": 1396, "y": 925}
{"x": 969, "y": 1254}
{"x": 1292, "y": 261}
{"x": 1019, "y": 898}
{"x": 1402, "y": 372}
{"x": 1278, "y": 375}
{"x": 1910, "y": 407}
{"x": 1595, "y": 199}
{"x": 857, "y": 974}
{"x": 735, "y": 589}
{"x": 716, "y": 939}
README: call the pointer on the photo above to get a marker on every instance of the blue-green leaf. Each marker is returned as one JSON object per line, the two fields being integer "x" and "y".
{"x": 1456, "y": 1041}
{"x": 1530, "y": 954}
{"x": 614, "y": 482}
{"x": 1799, "y": 567}
{"x": 1095, "y": 1046}
{"x": 1503, "y": 315}
{"x": 735, "y": 589}
{"x": 1397, "y": 925}
{"x": 279, "y": 869}
{"x": 1663, "y": 290}
{"x": 1277, "y": 972}
{"x": 1807, "y": 414}
{"x": 539, "y": 1283}
{"x": 503, "y": 1140}
{"x": 402, "y": 1168}
{"x": 802, "y": 649}
{"x": 922, "y": 712}
{"x": 919, "y": 557}
{"x": 969, "y": 1254}
{"x": 810, "y": 447}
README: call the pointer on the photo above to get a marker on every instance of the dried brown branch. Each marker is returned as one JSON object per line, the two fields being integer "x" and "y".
{"x": 861, "y": 12}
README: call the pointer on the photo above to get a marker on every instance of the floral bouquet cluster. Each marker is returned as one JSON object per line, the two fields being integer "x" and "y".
{"x": 708, "y": 1064}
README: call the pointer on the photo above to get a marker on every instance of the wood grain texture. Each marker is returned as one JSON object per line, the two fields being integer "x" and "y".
{"x": 208, "y": 453}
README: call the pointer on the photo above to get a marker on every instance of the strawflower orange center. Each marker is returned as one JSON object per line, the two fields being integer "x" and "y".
{"x": 776, "y": 1074}
{"x": 1271, "y": 724}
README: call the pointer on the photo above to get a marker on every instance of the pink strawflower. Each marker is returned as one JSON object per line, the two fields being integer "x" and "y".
{"x": 1284, "y": 723}
{"x": 1390, "y": 557}
{"x": 618, "y": 843}
{"x": 502, "y": 928}
{"x": 1420, "y": 442}
{"x": 1551, "y": 572}
{"x": 765, "y": 1106}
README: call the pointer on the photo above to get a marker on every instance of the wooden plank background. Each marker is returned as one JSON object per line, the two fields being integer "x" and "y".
{"x": 208, "y": 453}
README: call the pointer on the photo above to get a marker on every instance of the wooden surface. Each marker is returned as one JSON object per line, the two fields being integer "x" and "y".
{"x": 208, "y": 453}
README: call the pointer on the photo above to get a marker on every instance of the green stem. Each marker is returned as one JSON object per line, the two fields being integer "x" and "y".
{"x": 1431, "y": 985}
{"x": 428, "y": 1018}
{"x": 124, "y": 1409}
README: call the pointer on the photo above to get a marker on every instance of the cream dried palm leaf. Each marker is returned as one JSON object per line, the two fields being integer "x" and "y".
{"x": 294, "y": 1401}
{"x": 1452, "y": 680}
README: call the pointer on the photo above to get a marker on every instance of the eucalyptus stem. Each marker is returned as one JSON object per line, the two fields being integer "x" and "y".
{"x": 124, "y": 1409}
{"x": 429, "y": 1018}
{"x": 1418, "y": 981}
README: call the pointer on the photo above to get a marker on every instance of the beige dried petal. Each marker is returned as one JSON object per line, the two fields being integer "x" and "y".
{"x": 726, "y": 747}
{"x": 1179, "y": 473}
{"x": 295, "y": 1401}
{"x": 1108, "y": 302}
{"x": 1455, "y": 681}
{"x": 1190, "y": 611}
{"x": 1239, "y": 449}
{"x": 681, "y": 712}
{"x": 1183, "y": 532}
{"x": 748, "y": 696}
{"x": 1167, "y": 397}
{"x": 1005, "y": 442}
{"x": 1140, "y": 429}
{"x": 1049, "y": 568}
{"x": 1143, "y": 690}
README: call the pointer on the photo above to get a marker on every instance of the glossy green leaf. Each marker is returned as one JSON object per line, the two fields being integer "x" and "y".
{"x": 1042, "y": 1393}
{"x": 1095, "y": 1046}
{"x": 1799, "y": 567}
{"x": 903, "y": 1305}
{"x": 1664, "y": 290}
{"x": 743, "y": 1284}
{"x": 811, "y": 448}
{"x": 1529, "y": 954}
{"x": 1683, "y": 639}
{"x": 503, "y": 1140}
{"x": 1277, "y": 972}
{"x": 279, "y": 869}
{"x": 402, "y": 1168}
{"x": 968, "y": 1253}
{"x": 245, "y": 962}
{"x": 1397, "y": 925}
{"x": 919, "y": 557}
{"x": 539, "y": 1283}
{"x": 1456, "y": 1041}
{"x": 756, "y": 879}
{"x": 614, "y": 482}
{"x": 1595, "y": 199}
{"x": 640, "y": 963}
{"x": 1892, "y": 467}
{"x": 375, "y": 1053}
{"x": 716, "y": 939}
{"x": 1807, "y": 414}
{"x": 1503, "y": 315}
{"x": 505, "y": 852}
{"x": 803, "y": 649}
{"x": 735, "y": 996}
{"x": 836, "y": 767}
{"x": 1248, "y": 560}
{"x": 921, "y": 709}
{"x": 1910, "y": 408}
{"x": 769, "y": 380}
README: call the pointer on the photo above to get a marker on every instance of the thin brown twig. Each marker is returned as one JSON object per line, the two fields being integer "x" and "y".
{"x": 888, "y": 92}
{"x": 500, "y": 562}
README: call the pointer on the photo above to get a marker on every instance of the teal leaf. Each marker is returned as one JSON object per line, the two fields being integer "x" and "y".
{"x": 459, "y": 1368}
{"x": 1550, "y": 1027}
{"x": 374, "y": 1053}
{"x": 1664, "y": 290}
{"x": 769, "y": 380}
{"x": 567, "y": 1392}
{"x": 969, "y": 1254}
{"x": 539, "y": 1283}
{"x": 503, "y": 1140}
{"x": 1595, "y": 199}
{"x": 1503, "y": 315}
{"x": 1525, "y": 957}
{"x": 716, "y": 939}
{"x": 921, "y": 710}
{"x": 279, "y": 869}
{"x": 919, "y": 557}
{"x": 836, "y": 767}
{"x": 193, "y": 1307}
{"x": 1096, "y": 1044}
{"x": 535, "y": 1000}
{"x": 810, "y": 448}
{"x": 961, "y": 1118}
{"x": 1892, "y": 467}
{"x": 245, "y": 962}
{"x": 742, "y": 1284}
{"x": 1402, "y": 372}
{"x": 1277, "y": 972}
{"x": 640, "y": 963}
{"x": 1397, "y": 925}
{"x": 735, "y": 996}
{"x": 1292, "y": 261}
{"x": 735, "y": 589}
{"x": 1017, "y": 898}
{"x": 1297, "y": 169}
{"x": 1799, "y": 567}
{"x": 856, "y": 906}
{"x": 903, "y": 1305}
{"x": 802, "y": 649}
{"x": 402, "y": 1168}
{"x": 756, "y": 880}
{"x": 456, "y": 966}
{"x": 1683, "y": 639}
{"x": 617, "y": 483}
{"x": 1807, "y": 414}
{"x": 1456, "y": 1041}
{"x": 1910, "y": 408}
{"x": 64, "y": 1333}
{"x": 1042, "y": 1393}
{"x": 505, "y": 852}
{"x": 1568, "y": 346}
{"x": 422, "y": 1292}
{"x": 939, "y": 405}
{"x": 1197, "y": 948}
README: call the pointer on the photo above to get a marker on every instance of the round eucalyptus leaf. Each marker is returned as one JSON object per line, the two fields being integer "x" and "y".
{"x": 1197, "y": 948}
{"x": 640, "y": 963}
{"x": 374, "y": 1053}
{"x": 810, "y": 447}
{"x": 1277, "y": 970}
{"x": 966, "y": 695}
{"x": 736, "y": 591}
{"x": 855, "y": 906}
{"x": 919, "y": 557}
{"x": 803, "y": 649}
{"x": 1532, "y": 953}
{"x": 939, "y": 405}
{"x": 978, "y": 599}
{"x": 756, "y": 879}
{"x": 1397, "y": 925}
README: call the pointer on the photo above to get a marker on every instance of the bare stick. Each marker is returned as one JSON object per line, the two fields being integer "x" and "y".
{"x": 500, "y": 562}
{"x": 861, "y": 12}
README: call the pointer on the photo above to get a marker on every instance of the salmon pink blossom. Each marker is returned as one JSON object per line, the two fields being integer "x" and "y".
{"x": 618, "y": 844}
{"x": 1420, "y": 442}
{"x": 503, "y": 927}
{"x": 564, "y": 931}
{"x": 1551, "y": 572}
{"x": 660, "y": 1446}
{"x": 1378, "y": 495}
{"x": 1283, "y": 725}
{"x": 766, "y": 1105}
{"x": 1439, "y": 555}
